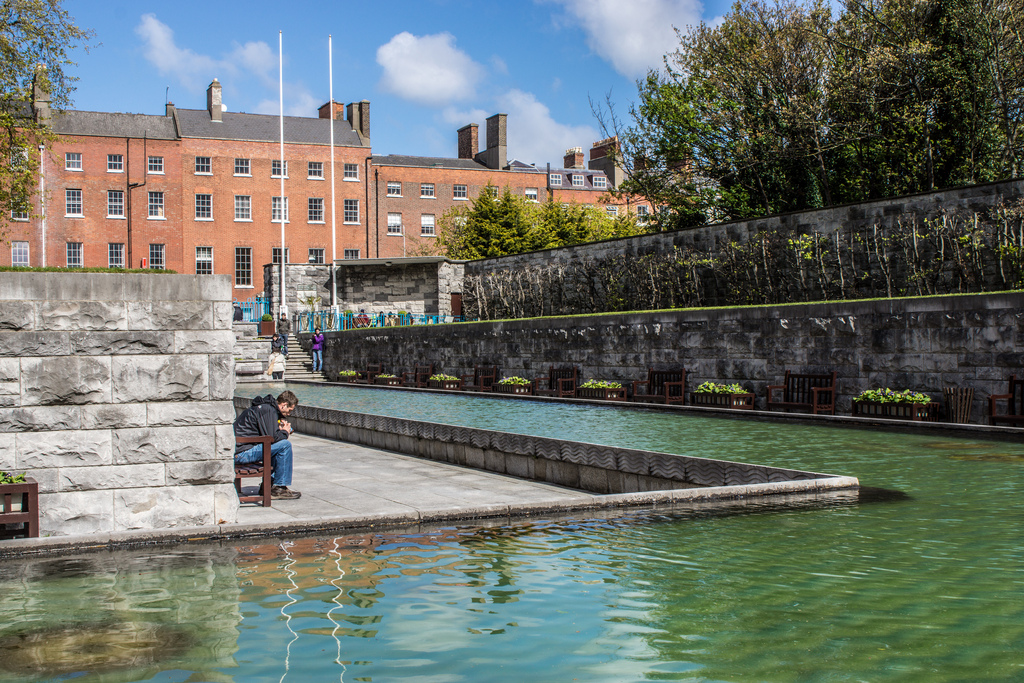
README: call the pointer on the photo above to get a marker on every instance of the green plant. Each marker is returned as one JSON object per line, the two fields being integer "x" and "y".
{"x": 267, "y": 317}
{"x": 890, "y": 396}
{"x": 386, "y": 375}
{"x": 713, "y": 388}
{"x": 347, "y": 373}
{"x": 8, "y": 478}
{"x": 444, "y": 378}
{"x": 515, "y": 380}
{"x": 600, "y": 384}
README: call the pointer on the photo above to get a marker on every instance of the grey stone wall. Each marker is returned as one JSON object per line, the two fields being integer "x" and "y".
{"x": 923, "y": 344}
{"x": 115, "y": 394}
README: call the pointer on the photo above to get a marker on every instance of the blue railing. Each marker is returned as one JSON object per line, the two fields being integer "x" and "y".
{"x": 328, "y": 320}
{"x": 253, "y": 309}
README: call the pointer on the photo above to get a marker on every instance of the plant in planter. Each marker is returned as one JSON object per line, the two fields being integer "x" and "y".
{"x": 21, "y": 492}
{"x": 442, "y": 381}
{"x": 267, "y": 326}
{"x": 387, "y": 379}
{"x": 899, "y": 405}
{"x": 514, "y": 385}
{"x": 722, "y": 396}
{"x": 602, "y": 390}
{"x": 348, "y": 375}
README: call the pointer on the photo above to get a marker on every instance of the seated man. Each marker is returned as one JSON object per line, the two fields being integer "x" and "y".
{"x": 265, "y": 417}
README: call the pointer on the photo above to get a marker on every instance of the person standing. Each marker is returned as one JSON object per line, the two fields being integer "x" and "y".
{"x": 284, "y": 328}
{"x": 265, "y": 417}
{"x": 318, "y": 350}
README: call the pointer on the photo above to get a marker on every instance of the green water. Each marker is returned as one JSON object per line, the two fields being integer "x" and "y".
{"x": 924, "y": 587}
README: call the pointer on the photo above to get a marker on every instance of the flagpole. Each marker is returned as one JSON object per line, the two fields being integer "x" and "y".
{"x": 334, "y": 244}
{"x": 280, "y": 79}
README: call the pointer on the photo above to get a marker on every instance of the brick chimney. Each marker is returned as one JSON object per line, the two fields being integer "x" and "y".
{"x": 496, "y": 154}
{"x": 213, "y": 102}
{"x": 603, "y": 157}
{"x": 359, "y": 118}
{"x": 41, "y": 96}
{"x": 574, "y": 158}
{"x": 324, "y": 111}
{"x": 469, "y": 141}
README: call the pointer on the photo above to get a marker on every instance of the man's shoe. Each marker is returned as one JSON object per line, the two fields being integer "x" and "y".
{"x": 283, "y": 493}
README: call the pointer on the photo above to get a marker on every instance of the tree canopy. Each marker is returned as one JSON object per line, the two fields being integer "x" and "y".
{"x": 783, "y": 106}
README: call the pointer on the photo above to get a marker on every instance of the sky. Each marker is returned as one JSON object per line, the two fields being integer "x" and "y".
{"x": 428, "y": 67}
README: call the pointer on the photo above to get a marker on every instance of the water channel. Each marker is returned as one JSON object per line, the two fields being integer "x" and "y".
{"x": 923, "y": 586}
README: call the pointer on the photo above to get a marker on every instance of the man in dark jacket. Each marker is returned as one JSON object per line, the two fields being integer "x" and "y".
{"x": 284, "y": 328}
{"x": 265, "y": 417}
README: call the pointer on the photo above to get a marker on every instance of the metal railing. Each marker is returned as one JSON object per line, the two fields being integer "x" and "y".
{"x": 253, "y": 309}
{"x": 328, "y": 320}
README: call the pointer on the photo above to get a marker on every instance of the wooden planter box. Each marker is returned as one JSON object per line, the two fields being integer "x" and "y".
{"x": 388, "y": 381}
{"x": 602, "y": 393}
{"x": 522, "y": 389}
{"x": 267, "y": 328}
{"x": 19, "y": 505}
{"x": 928, "y": 412}
{"x": 348, "y": 378}
{"x": 446, "y": 384}
{"x": 742, "y": 401}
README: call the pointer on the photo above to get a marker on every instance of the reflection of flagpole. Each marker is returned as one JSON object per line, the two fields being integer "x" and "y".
{"x": 334, "y": 246}
{"x": 337, "y": 603}
{"x": 288, "y": 617}
{"x": 280, "y": 80}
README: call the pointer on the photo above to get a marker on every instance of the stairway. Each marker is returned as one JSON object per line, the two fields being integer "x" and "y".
{"x": 300, "y": 364}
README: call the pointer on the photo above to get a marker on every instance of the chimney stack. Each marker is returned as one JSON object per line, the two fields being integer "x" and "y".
{"x": 359, "y": 118}
{"x": 603, "y": 157}
{"x": 213, "y": 102}
{"x": 574, "y": 158}
{"x": 469, "y": 141}
{"x": 41, "y": 96}
{"x": 496, "y": 154}
{"x": 325, "y": 110}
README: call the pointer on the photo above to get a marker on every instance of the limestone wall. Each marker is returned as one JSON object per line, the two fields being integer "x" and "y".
{"x": 115, "y": 394}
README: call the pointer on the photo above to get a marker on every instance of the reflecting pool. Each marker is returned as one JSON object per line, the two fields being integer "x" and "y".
{"x": 928, "y": 586}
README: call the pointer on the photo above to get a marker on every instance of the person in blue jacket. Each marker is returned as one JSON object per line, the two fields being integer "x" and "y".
{"x": 318, "y": 350}
{"x": 266, "y": 417}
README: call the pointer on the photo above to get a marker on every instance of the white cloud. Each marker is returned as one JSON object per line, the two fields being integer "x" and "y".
{"x": 462, "y": 117}
{"x": 534, "y": 136}
{"x": 633, "y": 36}
{"x": 257, "y": 58}
{"x": 189, "y": 68}
{"x": 429, "y": 69}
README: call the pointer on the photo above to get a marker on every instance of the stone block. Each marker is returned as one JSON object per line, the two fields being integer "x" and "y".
{"x": 164, "y": 508}
{"x": 114, "y": 416}
{"x": 111, "y": 477}
{"x": 8, "y": 461}
{"x": 170, "y": 315}
{"x": 223, "y": 312}
{"x": 10, "y": 370}
{"x": 225, "y": 503}
{"x": 11, "y": 391}
{"x": 78, "y": 448}
{"x": 164, "y": 444}
{"x": 200, "y": 472}
{"x": 82, "y": 315}
{"x": 76, "y": 512}
{"x": 593, "y": 479}
{"x": 222, "y": 377}
{"x": 24, "y": 344}
{"x": 204, "y": 341}
{"x": 66, "y": 380}
{"x": 122, "y": 342}
{"x": 40, "y": 418}
{"x": 494, "y": 461}
{"x": 48, "y": 479}
{"x": 159, "y": 378}
{"x": 224, "y": 442}
{"x": 519, "y": 465}
{"x": 190, "y": 413}
{"x": 474, "y": 457}
{"x": 17, "y": 315}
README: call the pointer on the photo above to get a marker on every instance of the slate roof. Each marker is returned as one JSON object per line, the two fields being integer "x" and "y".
{"x": 196, "y": 123}
{"x": 588, "y": 179}
{"x": 426, "y": 162}
{"x": 114, "y": 125}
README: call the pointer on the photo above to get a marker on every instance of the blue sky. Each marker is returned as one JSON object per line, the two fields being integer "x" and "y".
{"x": 427, "y": 67}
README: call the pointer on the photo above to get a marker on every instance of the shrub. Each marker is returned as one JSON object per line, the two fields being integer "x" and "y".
{"x": 600, "y": 384}
{"x": 890, "y": 396}
{"x": 515, "y": 380}
{"x": 713, "y": 388}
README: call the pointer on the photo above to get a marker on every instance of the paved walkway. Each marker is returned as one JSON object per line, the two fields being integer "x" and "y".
{"x": 343, "y": 481}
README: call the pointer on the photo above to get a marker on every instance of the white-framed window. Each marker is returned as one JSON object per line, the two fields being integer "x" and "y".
{"x": 555, "y": 179}
{"x": 643, "y": 213}
{"x": 277, "y": 206}
{"x": 19, "y": 254}
{"x": 115, "y": 204}
{"x": 427, "y": 225}
{"x": 74, "y": 254}
{"x": 243, "y": 167}
{"x": 243, "y": 208}
{"x": 156, "y": 257}
{"x": 460, "y": 192}
{"x": 73, "y": 161}
{"x": 577, "y": 180}
{"x": 352, "y": 211}
{"x": 156, "y": 165}
{"x": 204, "y": 166}
{"x": 611, "y": 210}
{"x": 426, "y": 189}
{"x": 394, "y": 188}
{"x": 531, "y": 194}
{"x": 351, "y": 254}
{"x": 115, "y": 255}
{"x": 275, "y": 168}
{"x": 204, "y": 260}
{"x": 243, "y": 266}
{"x": 204, "y": 207}
{"x": 351, "y": 172}
{"x": 316, "y": 210}
{"x": 600, "y": 181}
{"x": 315, "y": 169}
{"x": 491, "y": 190}
{"x": 275, "y": 255}
{"x": 316, "y": 256}
{"x": 115, "y": 163}
{"x": 17, "y": 215}
{"x": 156, "y": 205}
{"x": 72, "y": 203}
{"x": 394, "y": 224}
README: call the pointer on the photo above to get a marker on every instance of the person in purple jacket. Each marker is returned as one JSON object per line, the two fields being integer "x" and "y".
{"x": 318, "y": 350}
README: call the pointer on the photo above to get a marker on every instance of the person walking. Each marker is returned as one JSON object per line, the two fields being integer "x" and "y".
{"x": 265, "y": 417}
{"x": 284, "y": 328}
{"x": 318, "y": 350}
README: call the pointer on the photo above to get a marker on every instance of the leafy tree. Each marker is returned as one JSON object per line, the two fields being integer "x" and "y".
{"x": 32, "y": 33}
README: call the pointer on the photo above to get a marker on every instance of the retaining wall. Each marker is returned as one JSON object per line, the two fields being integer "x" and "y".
{"x": 115, "y": 395}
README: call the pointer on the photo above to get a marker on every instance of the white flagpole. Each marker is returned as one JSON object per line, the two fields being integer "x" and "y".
{"x": 280, "y": 77}
{"x": 334, "y": 245}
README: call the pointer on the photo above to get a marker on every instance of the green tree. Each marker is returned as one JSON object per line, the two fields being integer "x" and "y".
{"x": 32, "y": 33}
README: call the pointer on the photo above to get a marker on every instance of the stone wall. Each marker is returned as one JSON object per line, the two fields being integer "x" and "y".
{"x": 115, "y": 395}
{"x": 923, "y": 344}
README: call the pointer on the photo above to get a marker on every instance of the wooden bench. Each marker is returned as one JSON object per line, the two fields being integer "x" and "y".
{"x": 366, "y": 376}
{"x": 1014, "y": 414}
{"x": 661, "y": 386}
{"x": 804, "y": 391}
{"x": 418, "y": 377}
{"x": 482, "y": 379}
{"x": 255, "y": 469}
{"x": 560, "y": 382}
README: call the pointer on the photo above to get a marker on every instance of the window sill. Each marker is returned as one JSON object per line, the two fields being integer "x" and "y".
{"x": 156, "y": 218}
{"x": 394, "y": 234}
{"x": 350, "y": 180}
{"x": 424, "y": 234}
{"x": 427, "y": 197}
{"x": 73, "y": 170}
{"x": 245, "y": 287}
{"x": 155, "y": 173}
{"x": 209, "y": 173}
{"x": 243, "y": 220}
{"x": 115, "y": 218}
{"x": 351, "y": 223}
{"x": 74, "y": 215}
{"x": 460, "y": 199}
{"x": 277, "y": 177}
{"x": 315, "y": 177}
{"x": 204, "y": 220}
{"x": 111, "y": 171}
{"x": 394, "y": 196}
{"x": 316, "y": 222}
{"x": 243, "y": 175}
